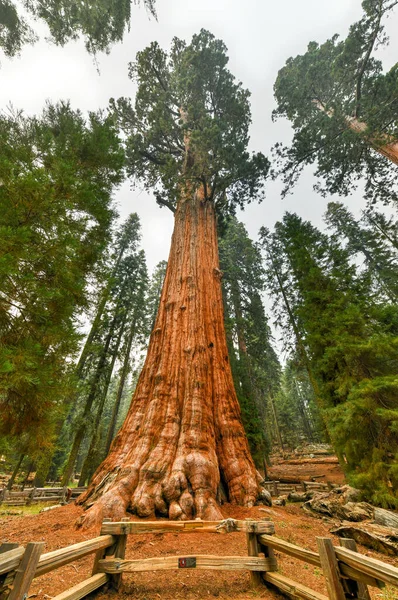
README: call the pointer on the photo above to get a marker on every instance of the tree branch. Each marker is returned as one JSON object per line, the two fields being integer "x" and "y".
{"x": 162, "y": 202}
{"x": 365, "y": 62}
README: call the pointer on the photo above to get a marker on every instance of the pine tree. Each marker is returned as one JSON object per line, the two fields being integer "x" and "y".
{"x": 381, "y": 259}
{"x": 57, "y": 174}
{"x": 343, "y": 110}
{"x": 106, "y": 340}
{"x": 352, "y": 345}
{"x": 154, "y": 292}
{"x": 254, "y": 363}
{"x": 296, "y": 409}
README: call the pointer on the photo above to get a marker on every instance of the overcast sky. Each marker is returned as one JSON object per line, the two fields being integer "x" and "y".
{"x": 260, "y": 36}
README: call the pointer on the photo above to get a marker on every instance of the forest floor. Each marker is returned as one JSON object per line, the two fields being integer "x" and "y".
{"x": 56, "y": 529}
{"x": 320, "y": 472}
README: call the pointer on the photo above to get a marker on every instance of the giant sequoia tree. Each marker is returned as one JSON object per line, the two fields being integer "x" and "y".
{"x": 343, "y": 109}
{"x": 183, "y": 436}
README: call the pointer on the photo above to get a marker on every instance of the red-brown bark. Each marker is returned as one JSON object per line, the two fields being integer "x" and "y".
{"x": 183, "y": 434}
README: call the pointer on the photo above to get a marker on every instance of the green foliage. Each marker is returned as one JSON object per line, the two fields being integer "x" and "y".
{"x": 254, "y": 363}
{"x": 119, "y": 325}
{"x": 14, "y": 30}
{"x": 351, "y": 341}
{"x": 189, "y": 126}
{"x": 296, "y": 409}
{"x": 100, "y": 23}
{"x": 368, "y": 239}
{"x": 321, "y": 90}
{"x": 57, "y": 174}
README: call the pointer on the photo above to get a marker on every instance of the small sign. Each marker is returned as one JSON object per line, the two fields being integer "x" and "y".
{"x": 187, "y": 563}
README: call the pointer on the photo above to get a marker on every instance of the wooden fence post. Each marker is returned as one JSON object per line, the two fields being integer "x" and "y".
{"x": 268, "y": 553}
{"x": 31, "y": 496}
{"x": 100, "y": 554}
{"x": 120, "y": 551}
{"x": 330, "y": 569}
{"x": 7, "y": 578}
{"x": 252, "y": 550}
{"x": 26, "y": 571}
{"x": 356, "y": 589}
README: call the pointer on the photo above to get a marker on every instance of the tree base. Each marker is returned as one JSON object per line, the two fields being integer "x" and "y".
{"x": 114, "y": 497}
{"x": 183, "y": 439}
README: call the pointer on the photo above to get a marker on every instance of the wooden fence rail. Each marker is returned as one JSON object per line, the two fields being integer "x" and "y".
{"x": 347, "y": 573}
{"x": 34, "y": 495}
{"x": 277, "y": 488}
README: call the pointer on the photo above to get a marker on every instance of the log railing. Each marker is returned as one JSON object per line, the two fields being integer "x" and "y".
{"x": 34, "y": 495}
{"x": 279, "y": 488}
{"x": 347, "y": 573}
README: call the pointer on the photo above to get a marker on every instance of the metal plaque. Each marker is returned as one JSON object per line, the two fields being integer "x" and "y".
{"x": 187, "y": 563}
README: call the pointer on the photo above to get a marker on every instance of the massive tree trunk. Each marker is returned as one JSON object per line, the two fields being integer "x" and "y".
{"x": 183, "y": 437}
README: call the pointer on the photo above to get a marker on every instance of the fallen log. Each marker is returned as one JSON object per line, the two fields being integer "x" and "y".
{"x": 299, "y": 497}
{"x": 325, "y": 460}
{"x": 387, "y": 518}
{"x": 294, "y": 479}
{"x": 379, "y": 538}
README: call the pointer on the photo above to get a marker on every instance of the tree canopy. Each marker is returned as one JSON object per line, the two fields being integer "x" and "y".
{"x": 188, "y": 97}
{"x": 57, "y": 175}
{"x": 343, "y": 108}
{"x": 100, "y": 23}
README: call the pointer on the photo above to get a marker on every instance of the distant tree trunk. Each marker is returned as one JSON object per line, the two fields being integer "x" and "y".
{"x": 81, "y": 429}
{"x": 277, "y": 428}
{"x": 91, "y": 461}
{"x": 300, "y": 345}
{"x": 15, "y": 472}
{"x": 304, "y": 413}
{"x": 104, "y": 297}
{"x": 120, "y": 389}
{"x": 28, "y": 472}
{"x": 183, "y": 433}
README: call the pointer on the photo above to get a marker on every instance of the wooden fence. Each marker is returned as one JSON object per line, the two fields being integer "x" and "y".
{"x": 346, "y": 572}
{"x": 60, "y": 495}
{"x": 277, "y": 488}
{"x": 65, "y": 494}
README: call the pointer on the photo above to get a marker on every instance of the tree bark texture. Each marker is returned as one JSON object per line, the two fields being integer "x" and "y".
{"x": 183, "y": 438}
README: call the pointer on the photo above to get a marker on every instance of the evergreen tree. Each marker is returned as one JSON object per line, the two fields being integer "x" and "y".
{"x": 186, "y": 138}
{"x": 352, "y": 345}
{"x": 100, "y": 23}
{"x": 343, "y": 109}
{"x": 297, "y": 413}
{"x": 127, "y": 279}
{"x": 254, "y": 363}
{"x": 57, "y": 175}
{"x": 280, "y": 286}
{"x": 368, "y": 243}
{"x": 154, "y": 292}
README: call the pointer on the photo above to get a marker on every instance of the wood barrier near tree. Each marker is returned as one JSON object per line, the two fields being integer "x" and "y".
{"x": 347, "y": 573}
{"x": 61, "y": 495}
{"x": 277, "y": 488}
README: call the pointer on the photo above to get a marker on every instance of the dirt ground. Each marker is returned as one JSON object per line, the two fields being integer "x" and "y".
{"x": 321, "y": 472}
{"x": 56, "y": 529}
